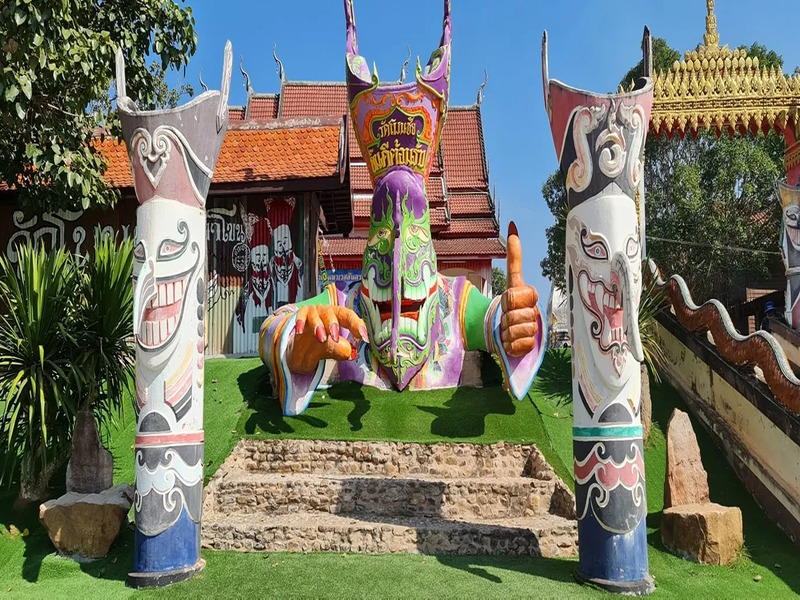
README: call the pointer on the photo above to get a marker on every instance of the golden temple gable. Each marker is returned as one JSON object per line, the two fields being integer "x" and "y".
{"x": 724, "y": 90}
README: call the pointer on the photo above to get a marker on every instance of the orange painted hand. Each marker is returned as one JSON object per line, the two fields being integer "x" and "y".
{"x": 316, "y": 336}
{"x": 520, "y": 321}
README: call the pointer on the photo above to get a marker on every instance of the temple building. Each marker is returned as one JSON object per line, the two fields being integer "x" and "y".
{"x": 463, "y": 216}
{"x": 272, "y": 183}
{"x": 288, "y": 208}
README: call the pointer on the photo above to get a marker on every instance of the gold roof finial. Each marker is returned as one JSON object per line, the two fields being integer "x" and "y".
{"x": 711, "y": 37}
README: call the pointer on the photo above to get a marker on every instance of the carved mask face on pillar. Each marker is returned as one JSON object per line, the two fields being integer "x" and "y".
{"x": 166, "y": 273}
{"x": 790, "y": 249}
{"x": 398, "y": 126}
{"x": 600, "y": 143}
{"x": 604, "y": 257}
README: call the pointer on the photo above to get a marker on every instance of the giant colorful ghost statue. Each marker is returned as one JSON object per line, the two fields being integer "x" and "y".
{"x": 599, "y": 141}
{"x": 790, "y": 249}
{"x": 172, "y": 155}
{"x": 415, "y": 324}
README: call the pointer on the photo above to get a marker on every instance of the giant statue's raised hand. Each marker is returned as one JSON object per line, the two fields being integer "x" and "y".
{"x": 317, "y": 336}
{"x": 519, "y": 323}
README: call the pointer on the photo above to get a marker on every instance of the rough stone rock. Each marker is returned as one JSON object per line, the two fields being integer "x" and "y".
{"x": 705, "y": 533}
{"x": 91, "y": 467}
{"x": 687, "y": 480}
{"x": 85, "y": 525}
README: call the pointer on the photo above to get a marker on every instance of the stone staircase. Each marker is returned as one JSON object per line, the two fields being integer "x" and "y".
{"x": 382, "y": 497}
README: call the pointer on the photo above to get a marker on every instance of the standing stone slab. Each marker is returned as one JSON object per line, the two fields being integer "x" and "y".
{"x": 687, "y": 480}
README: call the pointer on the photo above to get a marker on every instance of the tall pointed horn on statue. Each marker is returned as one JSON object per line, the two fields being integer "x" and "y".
{"x": 548, "y": 105}
{"x": 350, "y": 21}
{"x": 405, "y": 66}
{"x": 647, "y": 53}
{"x": 120, "y": 64}
{"x": 447, "y": 25}
{"x": 630, "y": 310}
{"x": 225, "y": 87}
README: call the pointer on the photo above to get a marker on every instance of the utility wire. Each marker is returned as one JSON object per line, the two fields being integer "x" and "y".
{"x": 699, "y": 245}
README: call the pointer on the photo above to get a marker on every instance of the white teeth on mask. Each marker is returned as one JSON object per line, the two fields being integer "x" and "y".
{"x": 416, "y": 292}
{"x": 605, "y": 339}
{"x": 170, "y": 293}
{"x": 598, "y": 295}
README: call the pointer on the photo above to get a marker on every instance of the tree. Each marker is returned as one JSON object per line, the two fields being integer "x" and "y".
{"x": 55, "y": 82}
{"x": 498, "y": 281}
{"x": 553, "y": 264}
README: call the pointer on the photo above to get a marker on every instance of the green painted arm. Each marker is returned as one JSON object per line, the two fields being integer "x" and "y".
{"x": 322, "y": 298}
{"x": 477, "y": 306}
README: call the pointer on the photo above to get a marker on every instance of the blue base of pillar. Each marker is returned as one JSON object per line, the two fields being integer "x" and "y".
{"x": 171, "y": 556}
{"x": 612, "y": 561}
{"x": 163, "y": 578}
{"x": 643, "y": 587}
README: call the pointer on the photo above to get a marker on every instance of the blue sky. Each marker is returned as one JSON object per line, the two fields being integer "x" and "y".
{"x": 592, "y": 44}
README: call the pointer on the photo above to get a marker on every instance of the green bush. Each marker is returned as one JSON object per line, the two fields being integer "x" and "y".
{"x": 64, "y": 330}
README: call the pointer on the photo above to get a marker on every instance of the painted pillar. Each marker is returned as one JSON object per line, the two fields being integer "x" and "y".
{"x": 173, "y": 154}
{"x": 790, "y": 250}
{"x": 599, "y": 141}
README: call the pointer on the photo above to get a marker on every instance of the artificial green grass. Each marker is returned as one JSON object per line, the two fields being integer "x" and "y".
{"x": 29, "y": 567}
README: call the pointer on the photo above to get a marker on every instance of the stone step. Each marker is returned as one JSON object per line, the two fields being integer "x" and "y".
{"x": 541, "y": 535}
{"x": 421, "y": 496}
{"x": 390, "y": 458}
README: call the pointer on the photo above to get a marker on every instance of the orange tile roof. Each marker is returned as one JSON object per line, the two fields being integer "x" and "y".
{"x": 485, "y": 247}
{"x": 468, "y": 227}
{"x": 438, "y": 217}
{"x": 236, "y": 113}
{"x": 469, "y": 204}
{"x": 359, "y": 179}
{"x": 462, "y": 147}
{"x": 250, "y": 155}
{"x": 460, "y": 247}
{"x": 301, "y": 99}
{"x": 361, "y": 208}
{"x": 264, "y": 107}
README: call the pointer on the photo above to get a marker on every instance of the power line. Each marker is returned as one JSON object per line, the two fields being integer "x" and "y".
{"x": 699, "y": 245}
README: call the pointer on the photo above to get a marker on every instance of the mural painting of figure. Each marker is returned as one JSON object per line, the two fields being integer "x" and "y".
{"x": 287, "y": 268}
{"x": 257, "y": 296}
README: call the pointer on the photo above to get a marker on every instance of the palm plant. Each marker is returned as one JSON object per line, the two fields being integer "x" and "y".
{"x": 37, "y": 378}
{"x": 104, "y": 326}
{"x": 64, "y": 332}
